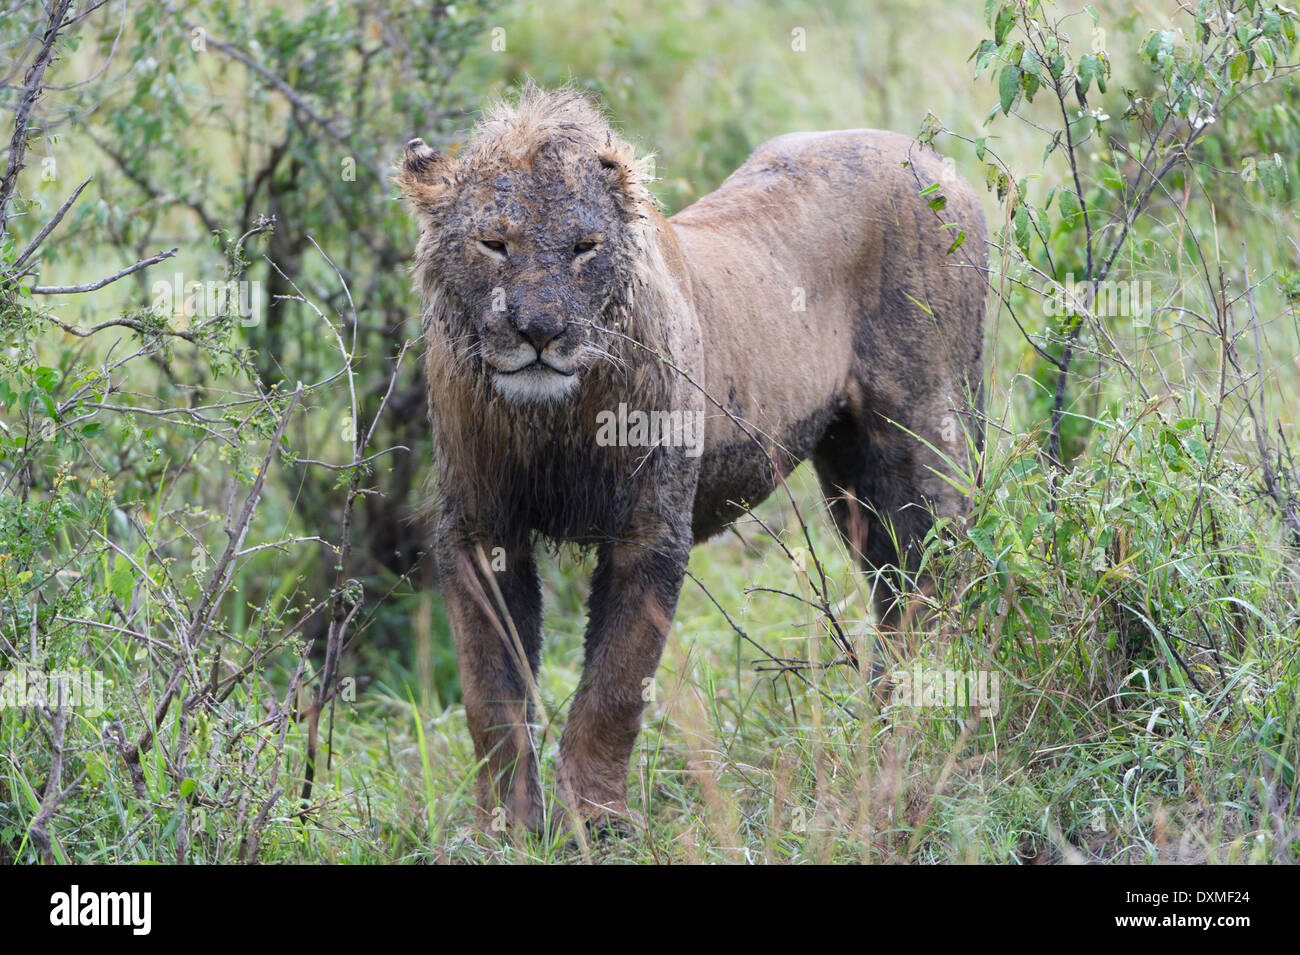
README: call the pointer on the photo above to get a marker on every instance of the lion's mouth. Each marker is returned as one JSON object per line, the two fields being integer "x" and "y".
{"x": 537, "y": 382}
{"x": 538, "y": 365}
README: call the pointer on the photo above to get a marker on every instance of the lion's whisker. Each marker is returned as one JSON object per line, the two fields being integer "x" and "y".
{"x": 616, "y": 361}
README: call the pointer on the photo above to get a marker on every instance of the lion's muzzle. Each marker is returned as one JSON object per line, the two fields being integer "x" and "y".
{"x": 533, "y": 353}
{"x": 540, "y": 331}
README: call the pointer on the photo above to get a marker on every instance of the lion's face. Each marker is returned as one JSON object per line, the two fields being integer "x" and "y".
{"x": 530, "y": 253}
{"x": 533, "y": 249}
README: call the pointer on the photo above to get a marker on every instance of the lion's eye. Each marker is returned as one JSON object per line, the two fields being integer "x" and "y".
{"x": 583, "y": 247}
{"x": 493, "y": 245}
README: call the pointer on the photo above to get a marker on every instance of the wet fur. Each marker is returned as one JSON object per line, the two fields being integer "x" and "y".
{"x": 838, "y": 215}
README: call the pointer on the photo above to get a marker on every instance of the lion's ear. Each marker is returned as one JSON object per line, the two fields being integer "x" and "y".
{"x": 423, "y": 174}
{"x": 630, "y": 180}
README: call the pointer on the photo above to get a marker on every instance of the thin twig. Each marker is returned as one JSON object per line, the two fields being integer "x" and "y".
{"x": 94, "y": 286}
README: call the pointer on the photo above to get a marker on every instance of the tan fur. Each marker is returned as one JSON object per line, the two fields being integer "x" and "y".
{"x": 554, "y": 291}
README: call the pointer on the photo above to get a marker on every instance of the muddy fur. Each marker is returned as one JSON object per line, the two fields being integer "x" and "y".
{"x": 554, "y": 290}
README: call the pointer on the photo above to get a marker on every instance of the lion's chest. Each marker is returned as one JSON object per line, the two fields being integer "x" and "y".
{"x": 567, "y": 494}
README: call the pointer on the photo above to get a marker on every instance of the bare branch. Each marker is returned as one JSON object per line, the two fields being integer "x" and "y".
{"x": 94, "y": 286}
{"x": 32, "y": 88}
{"x": 50, "y": 226}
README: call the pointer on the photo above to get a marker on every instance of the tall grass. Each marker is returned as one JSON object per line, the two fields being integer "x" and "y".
{"x": 1137, "y": 607}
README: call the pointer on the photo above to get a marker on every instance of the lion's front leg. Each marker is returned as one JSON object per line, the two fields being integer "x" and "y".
{"x": 494, "y": 679}
{"x": 633, "y": 595}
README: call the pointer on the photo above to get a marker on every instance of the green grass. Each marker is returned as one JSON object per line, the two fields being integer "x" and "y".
{"x": 1141, "y": 614}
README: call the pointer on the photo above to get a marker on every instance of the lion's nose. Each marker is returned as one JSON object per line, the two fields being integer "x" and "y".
{"x": 540, "y": 333}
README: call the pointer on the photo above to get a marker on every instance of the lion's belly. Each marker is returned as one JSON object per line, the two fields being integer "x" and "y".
{"x": 736, "y": 477}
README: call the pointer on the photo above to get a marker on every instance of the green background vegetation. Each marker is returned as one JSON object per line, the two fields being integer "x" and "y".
{"x": 1138, "y": 602}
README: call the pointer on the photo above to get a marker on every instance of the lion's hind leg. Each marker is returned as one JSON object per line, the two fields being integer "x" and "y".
{"x": 872, "y": 476}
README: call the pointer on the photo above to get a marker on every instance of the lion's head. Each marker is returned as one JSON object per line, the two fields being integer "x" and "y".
{"x": 530, "y": 237}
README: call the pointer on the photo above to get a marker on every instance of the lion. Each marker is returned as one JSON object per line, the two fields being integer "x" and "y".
{"x": 818, "y": 305}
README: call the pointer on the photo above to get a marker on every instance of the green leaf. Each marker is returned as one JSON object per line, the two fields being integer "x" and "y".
{"x": 1064, "y": 533}
{"x": 46, "y": 378}
{"x": 1240, "y": 67}
{"x": 1051, "y": 147}
{"x": 983, "y": 540}
{"x": 1005, "y": 21}
{"x": 1069, "y": 206}
{"x": 1265, "y": 53}
{"x": 1008, "y": 87}
{"x": 122, "y": 580}
{"x": 1088, "y": 68}
{"x": 1029, "y": 82}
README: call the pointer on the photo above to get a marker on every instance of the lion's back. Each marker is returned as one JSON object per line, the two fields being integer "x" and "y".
{"x": 852, "y": 180}
{"x": 821, "y": 271}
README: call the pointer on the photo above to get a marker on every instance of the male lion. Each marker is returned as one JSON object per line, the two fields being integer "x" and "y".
{"x": 810, "y": 307}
